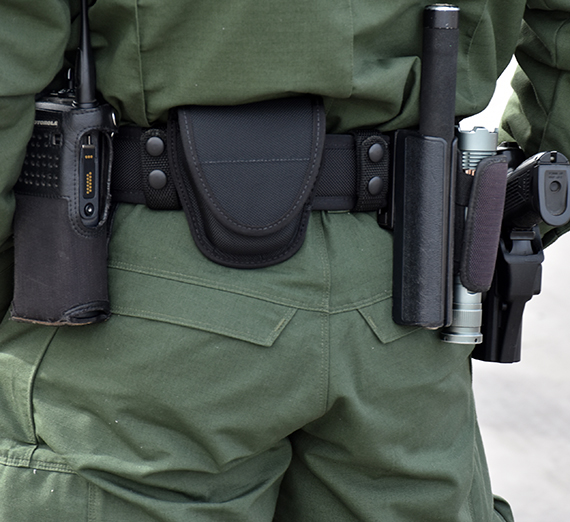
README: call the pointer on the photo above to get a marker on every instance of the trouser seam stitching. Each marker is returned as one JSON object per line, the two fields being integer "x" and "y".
{"x": 92, "y": 495}
{"x": 31, "y": 463}
{"x": 325, "y": 321}
{"x": 325, "y": 353}
{"x": 31, "y": 425}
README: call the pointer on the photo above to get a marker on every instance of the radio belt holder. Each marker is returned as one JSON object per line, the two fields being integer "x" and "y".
{"x": 62, "y": 205}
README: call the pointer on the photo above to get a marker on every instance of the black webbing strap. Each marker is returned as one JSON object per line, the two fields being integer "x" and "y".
{"x": 353, "y": 173}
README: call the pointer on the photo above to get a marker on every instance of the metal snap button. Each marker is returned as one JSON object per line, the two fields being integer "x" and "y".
{"x": 157, "y": 179}
{"x": 376, "y": 152}
{"x": 155, "y": 146}
{"x": 375, "y": 186}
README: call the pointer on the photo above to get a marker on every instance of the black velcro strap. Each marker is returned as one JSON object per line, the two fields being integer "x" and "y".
{"x": 341, "y": 184}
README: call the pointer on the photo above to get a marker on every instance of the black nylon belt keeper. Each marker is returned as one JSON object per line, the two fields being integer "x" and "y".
{"x": 157, "y": 184}
{"x": 373, "y": 170}
{"x": 346, "y": 174}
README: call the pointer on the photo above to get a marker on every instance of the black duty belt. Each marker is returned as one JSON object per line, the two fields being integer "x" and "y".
{"x": 353, "y": 175}
{"x": 248, "y": 176}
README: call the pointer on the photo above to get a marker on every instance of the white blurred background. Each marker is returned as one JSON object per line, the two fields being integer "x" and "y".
{"x": 524, "y": 408}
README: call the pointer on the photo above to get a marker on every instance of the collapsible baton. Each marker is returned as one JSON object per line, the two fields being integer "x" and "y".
{"x": 62, "y": 204}
{"x": 422, "y": 207}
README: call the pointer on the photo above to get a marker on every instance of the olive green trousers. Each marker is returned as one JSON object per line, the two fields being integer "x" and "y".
{"x": 213, "y": 394}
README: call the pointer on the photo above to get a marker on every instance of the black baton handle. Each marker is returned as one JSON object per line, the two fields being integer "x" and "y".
{"x": 439, "y": 71}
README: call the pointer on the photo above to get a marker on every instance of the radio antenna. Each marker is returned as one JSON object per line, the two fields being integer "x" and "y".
{"x": 85, "y": 65}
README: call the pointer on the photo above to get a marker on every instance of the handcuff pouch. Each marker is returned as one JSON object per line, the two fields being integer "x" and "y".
{"x": 245, "y": 176}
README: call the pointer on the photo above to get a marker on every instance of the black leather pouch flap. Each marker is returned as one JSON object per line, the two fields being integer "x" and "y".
{"x": 483, "y": 224}
{"x": 245, "y": 176}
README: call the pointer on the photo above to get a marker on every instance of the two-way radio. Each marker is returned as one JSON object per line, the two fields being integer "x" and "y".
{"x": 62, "y": 203}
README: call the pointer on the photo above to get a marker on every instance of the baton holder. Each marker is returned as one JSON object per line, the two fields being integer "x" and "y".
{"x": 422, "y": 223}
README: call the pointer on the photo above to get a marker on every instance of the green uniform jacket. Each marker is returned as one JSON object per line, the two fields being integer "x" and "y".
{"x": 362, "y": 56}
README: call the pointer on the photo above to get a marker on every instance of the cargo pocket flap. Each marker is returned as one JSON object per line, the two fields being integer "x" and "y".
{"x": 177, "y": 302}
{"x": 379, "y": 318}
